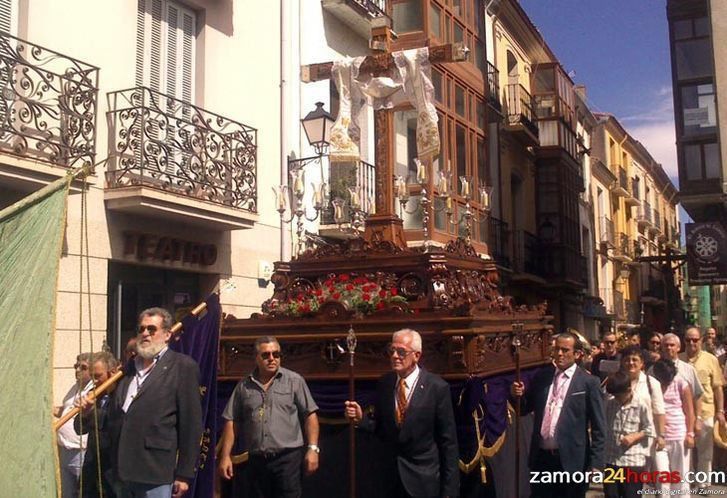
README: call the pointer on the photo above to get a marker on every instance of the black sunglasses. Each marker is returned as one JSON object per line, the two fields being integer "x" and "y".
{"x": 400, "y": 352}
{"x": 152, "y": 329}
{"x": 270, "y": 354}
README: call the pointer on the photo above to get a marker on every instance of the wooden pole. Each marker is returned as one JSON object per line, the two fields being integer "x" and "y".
{"x": 351, "y": 346}
{"x": 100, "y": 390}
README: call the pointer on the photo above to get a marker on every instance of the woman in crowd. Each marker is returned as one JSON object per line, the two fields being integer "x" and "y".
{"x": 678, "y": 426}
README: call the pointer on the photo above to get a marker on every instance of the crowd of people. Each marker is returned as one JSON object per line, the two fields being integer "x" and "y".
{"x": 633, "y": 406}
{"x": 630, "y": 405}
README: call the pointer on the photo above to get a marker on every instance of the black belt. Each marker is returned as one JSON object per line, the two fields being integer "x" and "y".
{"x": 271, "y": 454}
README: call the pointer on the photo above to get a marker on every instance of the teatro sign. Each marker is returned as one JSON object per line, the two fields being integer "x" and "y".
{"x": 707, "y": 253}
{"x": 152, "y": 247}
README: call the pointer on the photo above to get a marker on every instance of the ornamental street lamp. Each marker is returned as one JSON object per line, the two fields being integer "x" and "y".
{"x": 317, "y": 125}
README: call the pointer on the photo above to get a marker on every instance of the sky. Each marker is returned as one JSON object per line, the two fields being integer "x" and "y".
{"x": 619, "y": 49}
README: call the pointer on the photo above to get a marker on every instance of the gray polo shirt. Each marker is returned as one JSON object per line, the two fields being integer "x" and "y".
{"x": 270, "y": 421}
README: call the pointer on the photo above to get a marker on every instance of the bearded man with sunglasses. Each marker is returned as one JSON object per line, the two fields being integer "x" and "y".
{"x": 414, "y": 416}
{"x": 267, "y": 407}
{"x": 155, "y": 418}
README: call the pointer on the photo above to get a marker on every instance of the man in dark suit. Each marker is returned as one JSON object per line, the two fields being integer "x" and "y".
{"x": 414, "y": 415}
{"x": 155, "y": 417}
{"x": 567, "y": 403}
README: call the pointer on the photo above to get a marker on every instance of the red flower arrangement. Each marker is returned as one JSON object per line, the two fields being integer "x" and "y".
{"x": 357, "y": 292}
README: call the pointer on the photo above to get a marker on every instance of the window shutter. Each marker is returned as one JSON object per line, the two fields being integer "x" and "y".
{"x": 8, "y": 17}
{"x": 179, "y": 52}
{"x": 149, "y": 44}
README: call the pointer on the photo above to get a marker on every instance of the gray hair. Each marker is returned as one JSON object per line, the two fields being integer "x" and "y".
{"x": 416, "y": 339}
{"x": 106, "y": 358}
{"x": 266, "y": 339}
{"x": 670, "y": 336}
{"x": 84, "y": 357}
{"x": 167, "y": 320}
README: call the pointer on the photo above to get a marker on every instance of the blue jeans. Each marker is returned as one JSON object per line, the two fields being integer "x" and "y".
{"x": 139, "y": 490}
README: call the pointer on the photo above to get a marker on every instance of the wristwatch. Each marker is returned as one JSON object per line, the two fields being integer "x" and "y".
{"x": 314, "y": 447}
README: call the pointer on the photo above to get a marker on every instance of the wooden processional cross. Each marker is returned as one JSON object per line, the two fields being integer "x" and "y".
{"x": 385, "y": 224}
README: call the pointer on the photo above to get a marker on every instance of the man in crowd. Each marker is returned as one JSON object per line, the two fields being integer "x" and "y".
{"x": 95, "y": 422}
{"x": 414, "y": 415}
{"x": 710, "y": 378}
{"x": 569, "y": 424}
{"x": 712, "y": 343}
{"x": 266, "y": 407}
{"x": 609, "y": 354}
{"x": 71, "y": 446}
{"x": 155, "y": 417}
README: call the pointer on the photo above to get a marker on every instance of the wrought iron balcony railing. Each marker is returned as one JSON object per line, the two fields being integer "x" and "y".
{"x": 657, "y": 220}
{"x": 376, "y": 8}
{"x": 48, "y": 104}
{"x": 623, "y": 179}
{"x": 520, "y": 107}
{"x": 493, "y": 87}
{"x": 498, "y": 241}
{"x": 158, "y": 141}
{"x": 644, "y": 216}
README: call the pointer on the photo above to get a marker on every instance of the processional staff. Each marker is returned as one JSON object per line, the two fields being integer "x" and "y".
{"x": 351, "y": 346}
{"x": 517, "y": 328}
{"x": 100, "y": 390}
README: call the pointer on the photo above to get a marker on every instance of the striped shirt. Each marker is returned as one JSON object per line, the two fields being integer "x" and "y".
{"x": 627, "y": 419}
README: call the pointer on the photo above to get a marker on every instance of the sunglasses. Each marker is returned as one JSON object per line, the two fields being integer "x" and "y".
{"x": 80, "y": 366}
{"x": 265, "y": 355}
{"x": 152, "y": 329}
{"x": 400, "y": 352}
{"x": 692, "y": 340}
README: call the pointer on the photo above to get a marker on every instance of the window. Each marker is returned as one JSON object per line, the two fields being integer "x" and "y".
{"x": 435, "y": 20}
{"x": 407, "y": 16}
{"x": 698, "y": 109}
{"x": 692, "y": 51}
{"x": 701, "y": 161}
{"x": 165, "y": 42}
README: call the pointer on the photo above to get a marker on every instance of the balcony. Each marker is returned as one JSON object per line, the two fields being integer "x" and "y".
{"x": 564, "y": 265}
{"x": 655, "y": 228}
{"x": 493, "y": 87}
{"x": 498, "y": 242}
{"x": 359, "y": 15}
{"x": 633, "y": 188}
{"x": 621, "y": 186}
{"x": 526, "y": 257}
{"x": 520, "y": 117}
{"x": 176, "y": 161}
{"x": 607, "y": 233}
{"x": 340, "y": 176}
{"x": 606, "y": 295}
{"x": 48, "y": 109}
{"x": 623, "y": 251}
{"x": 644, "y": 218}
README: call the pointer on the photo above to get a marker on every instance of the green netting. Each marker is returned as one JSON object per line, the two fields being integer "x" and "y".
{"x": 31, "y": 236}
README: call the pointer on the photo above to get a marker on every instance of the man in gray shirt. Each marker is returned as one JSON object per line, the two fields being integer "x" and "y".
{"x": 267, "y": 407}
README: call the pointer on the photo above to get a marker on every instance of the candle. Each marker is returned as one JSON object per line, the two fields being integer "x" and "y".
{"x": 338, "y": 210}
{"x": 443, "y": 183}
{"x": 449, "y": 204}
{"x": 355, "y": 197}
{"x": 280, "y": 197}
{"x": 298, "y": 182}
{"x": 485, "y": 197}
{"x": 421, "y": 171}
{"x": 465, "y": 192}
{"x": 317, "y": 195}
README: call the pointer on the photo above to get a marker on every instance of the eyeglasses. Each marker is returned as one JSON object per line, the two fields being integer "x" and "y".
{"x": 400, "y": 352}
{"x": 80, "y": 366}
{"x": 152, "y": 329}
{"x": 692, "y": 340}
{"x": 265, "y": 355}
